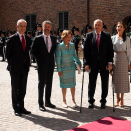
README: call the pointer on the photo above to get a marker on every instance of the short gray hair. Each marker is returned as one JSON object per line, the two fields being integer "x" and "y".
{"x": 46, "y": 22}
{"x": 97, "y": 20}
{"x": 21, "y": 20}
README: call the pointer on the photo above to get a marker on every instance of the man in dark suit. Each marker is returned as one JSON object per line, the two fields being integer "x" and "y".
{"x": 17, "y": 53}
{"x": 76, "y": 39}
{"x": 39, "y": 30}
{"x": 43, "y": 49}
{"x": 98, "y": 56}
{"x": 2, "y": 45}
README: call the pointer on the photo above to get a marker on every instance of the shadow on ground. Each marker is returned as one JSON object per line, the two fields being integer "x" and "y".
{"x": 74, "y": 116}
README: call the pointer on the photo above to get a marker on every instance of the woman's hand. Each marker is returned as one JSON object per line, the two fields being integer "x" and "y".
{"x": 60, "y": 74}
{"x": 128, "y": 67}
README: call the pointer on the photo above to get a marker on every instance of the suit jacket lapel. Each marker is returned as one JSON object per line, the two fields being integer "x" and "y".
{"x": 43, "y": 38}
{"x": 52, "y": 43}
{"x": 101, "y": 38}
{"x": 94, "y": 38}
{"x": 18, "y": 38}
{"x": 19, "y": 41}
{"x": 26, "y": 42}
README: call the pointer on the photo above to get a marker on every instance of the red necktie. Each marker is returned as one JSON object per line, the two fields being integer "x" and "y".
{"x": 23, "y": 42}
{"x": 98, "y": 40}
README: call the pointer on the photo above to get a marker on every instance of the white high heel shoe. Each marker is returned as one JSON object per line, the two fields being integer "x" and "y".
{"x": 65, "y": 105}
{"x": 74, "y": 104}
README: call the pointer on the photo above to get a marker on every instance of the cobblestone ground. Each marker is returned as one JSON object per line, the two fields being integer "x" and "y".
{"x": 59, "y": 119}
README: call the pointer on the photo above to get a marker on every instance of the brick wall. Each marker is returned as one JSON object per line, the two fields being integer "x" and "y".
{"x": 11, "y": 11}
{"x": 109, "y": 11}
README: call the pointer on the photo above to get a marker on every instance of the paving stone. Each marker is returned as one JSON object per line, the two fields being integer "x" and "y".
{"x": 59, "y": 119}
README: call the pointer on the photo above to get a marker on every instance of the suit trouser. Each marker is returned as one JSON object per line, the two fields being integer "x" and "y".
{"x": 76, "y": 48}
{"x": 2, "y": 51}
{"x": 18, "y": 83}
{"x": 92, "y": 84}
{"x": 45, "y": 77}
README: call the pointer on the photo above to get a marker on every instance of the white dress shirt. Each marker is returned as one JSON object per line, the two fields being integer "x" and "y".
{"x": 99, "y": 41}
{"x": 20, "y": 36}
{"x": 99, "y": 35}
{"x": 49, "y": 42}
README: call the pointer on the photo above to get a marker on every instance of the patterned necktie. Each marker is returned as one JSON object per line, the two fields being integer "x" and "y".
{"x": 98, "y": 40}
{"x": 47, "y": 42}
{"x": 23, "y": 42}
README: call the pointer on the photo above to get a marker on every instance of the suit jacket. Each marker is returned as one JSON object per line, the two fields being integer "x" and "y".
{"x": 16, "y": 55}
{"x": 3, "y": 40}
{"x": 76, "y": 39}
{"x": 39, "y": 50}
{"x": 92, "y": 54}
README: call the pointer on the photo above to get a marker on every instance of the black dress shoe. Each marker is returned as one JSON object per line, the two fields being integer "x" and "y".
{"x": 91, "y": 105}
{"x": 18, "y": 113}
{"x": 42, "y": 108}
{"x": 24, "y": 111}
{"x": 103, "y": 105}
{"x": 50, "y": 105}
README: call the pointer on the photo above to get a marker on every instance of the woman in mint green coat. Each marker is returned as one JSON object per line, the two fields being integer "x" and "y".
{"x": 65, "y": 59}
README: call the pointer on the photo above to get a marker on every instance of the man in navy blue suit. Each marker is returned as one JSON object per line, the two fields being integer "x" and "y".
{"x": 98, "y": 57}
{"x": 17, "y": 53}
{"x": 43, "y": 49}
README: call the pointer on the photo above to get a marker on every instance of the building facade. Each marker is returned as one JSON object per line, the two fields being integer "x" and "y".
{"x": 110, "y": 12}
{"x": 63, "y": 13}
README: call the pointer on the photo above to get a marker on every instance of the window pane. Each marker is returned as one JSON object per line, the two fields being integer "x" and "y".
{"x": 33, "y": 22}
{"x": 28, "y": 22}
{"x": 61, "y": 20}
{"x": 65, "y": 20}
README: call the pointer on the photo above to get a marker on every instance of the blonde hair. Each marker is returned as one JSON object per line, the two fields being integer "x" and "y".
{"x": 66, "y": 33}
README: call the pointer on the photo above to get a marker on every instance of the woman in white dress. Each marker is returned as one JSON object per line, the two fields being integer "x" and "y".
{"x": 122, "y": 58}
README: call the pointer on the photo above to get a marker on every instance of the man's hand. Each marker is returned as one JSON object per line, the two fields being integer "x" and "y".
{"x": 60, "y": 74}
{"x": 87, "y": 68}
{"x": 109, "y": 67}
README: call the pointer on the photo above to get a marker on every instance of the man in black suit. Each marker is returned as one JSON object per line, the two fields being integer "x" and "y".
{"x": 76, "y": 39}
{"x": 43, "y": 49}
{"x": 2, "y": 45}
{"x": 17, "y": 53}
{"x": 98, "y": 56}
